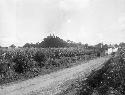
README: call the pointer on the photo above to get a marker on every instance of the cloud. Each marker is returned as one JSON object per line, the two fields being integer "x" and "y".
{"x": 52, "y": 15}
{"x": 87, "y": 21}
{"x": 62, "y": 11}
{"x": 7, "y": 41}
{"x": 73, "y": 5}
{"x": 119, "y": 25}
{"x": 7, "y": 21}
{"x": 122, "y": 22}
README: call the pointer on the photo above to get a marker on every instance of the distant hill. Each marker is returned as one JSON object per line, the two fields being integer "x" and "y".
{"x": 49, "y": 42}
{"x": 52, "y": 41}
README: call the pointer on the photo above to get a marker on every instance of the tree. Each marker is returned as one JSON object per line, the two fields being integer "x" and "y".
{"x": 105, "y": 47}
{"x": 53, "y": 42}
{"x": 27, "y": 45}
{"x": 116, "y": 45}
{"x": 99, "y": 45}
{"x": 86, "y": 45}
{"x": 122, "y": 44}
{"x": 12, "y": 46}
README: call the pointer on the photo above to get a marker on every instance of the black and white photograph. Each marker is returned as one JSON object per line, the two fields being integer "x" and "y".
{"x": 62, "y": 47}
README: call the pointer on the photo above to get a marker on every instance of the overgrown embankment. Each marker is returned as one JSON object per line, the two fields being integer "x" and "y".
{"x": 109, "y": 80}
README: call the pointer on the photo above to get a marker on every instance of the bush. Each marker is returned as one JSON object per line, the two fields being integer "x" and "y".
{"x": 109, "y": 79}
{"x": 40, "y": 57}
{"x": 52, "y": 63}
{"x": 5, "y": 67}
{"x": 20, "y": 61}
{"x": 28, "y": 62}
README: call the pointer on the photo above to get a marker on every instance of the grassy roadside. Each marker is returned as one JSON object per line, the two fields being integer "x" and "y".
{"x": 109, "y": 80}
{"x": 77, "y": 85}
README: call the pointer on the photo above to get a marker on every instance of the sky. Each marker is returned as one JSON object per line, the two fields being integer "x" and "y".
{"x": 86, "y": 21}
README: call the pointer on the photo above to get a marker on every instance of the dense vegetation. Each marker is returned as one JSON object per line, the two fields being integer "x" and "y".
{"x": 52, "y": 54}
{"x": 23, "y": 63}
{"x": 49, "y": 42}
{"x": 109, "y": 80}
{"x": 56, "y": 42}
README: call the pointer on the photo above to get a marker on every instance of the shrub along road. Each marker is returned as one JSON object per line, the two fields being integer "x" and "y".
{"x": 53, "y": 83}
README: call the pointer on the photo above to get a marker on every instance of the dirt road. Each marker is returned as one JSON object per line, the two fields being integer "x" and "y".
{"x": 53, "y": 83}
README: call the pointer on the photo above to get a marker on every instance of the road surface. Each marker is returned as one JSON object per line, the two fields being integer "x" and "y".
{"x": 53, "y": 83}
